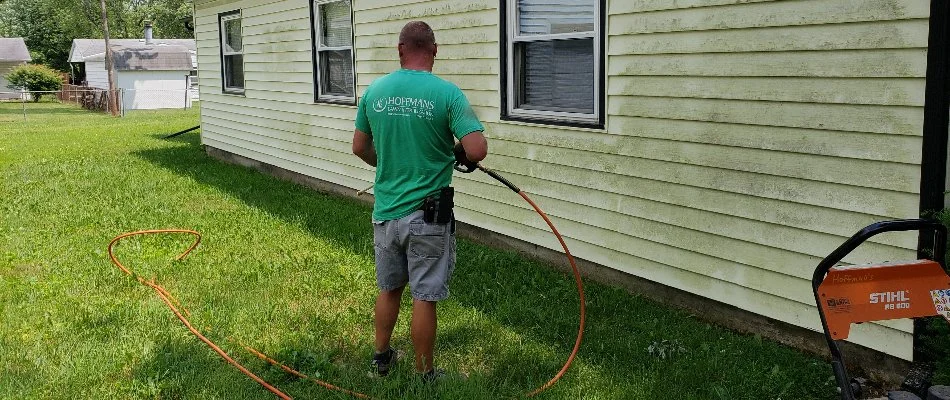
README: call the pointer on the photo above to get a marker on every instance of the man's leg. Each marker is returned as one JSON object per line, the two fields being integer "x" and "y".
{"x": 387, "y": 312}
{"x": 431, "y": 257}
{"x": 423, "y": 333}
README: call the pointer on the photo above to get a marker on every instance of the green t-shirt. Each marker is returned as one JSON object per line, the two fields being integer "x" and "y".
{"x": 412, "y": 116}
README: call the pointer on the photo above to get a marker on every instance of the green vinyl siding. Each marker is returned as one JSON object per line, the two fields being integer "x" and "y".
{"x": 744, "y": 140}
{"x": 771, "y": 131}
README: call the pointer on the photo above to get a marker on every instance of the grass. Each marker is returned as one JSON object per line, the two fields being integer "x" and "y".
{"x": 290, "y": 271}
{"x": 935, "y": 334}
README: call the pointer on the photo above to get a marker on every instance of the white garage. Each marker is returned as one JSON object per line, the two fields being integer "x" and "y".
{"x": 150, "y": 74}
{"x": 153, "y": 77}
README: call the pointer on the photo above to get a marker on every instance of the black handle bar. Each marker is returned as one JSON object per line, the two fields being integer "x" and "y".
{"x": 940, "y": 242}
{"x": 848, "y": 388}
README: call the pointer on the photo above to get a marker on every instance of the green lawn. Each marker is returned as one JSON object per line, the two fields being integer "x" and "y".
{"x": 935, "y": 334}
{"x": 290, "y": 271}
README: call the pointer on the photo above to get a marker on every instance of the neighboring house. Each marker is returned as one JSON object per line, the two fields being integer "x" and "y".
{"x": 150, "y": 77}
{"x": 13, "y": 52}
{"x": 169, "y": 52}
{"x": 718, "y": 147}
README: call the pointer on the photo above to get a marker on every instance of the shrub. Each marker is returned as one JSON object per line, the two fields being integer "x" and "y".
{"x": 35, "y": 79}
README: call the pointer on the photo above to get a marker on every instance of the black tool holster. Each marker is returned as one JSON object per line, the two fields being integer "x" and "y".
{"x": 438, "y": 208}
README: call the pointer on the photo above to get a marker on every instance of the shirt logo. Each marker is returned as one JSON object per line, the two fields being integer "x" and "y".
{"x": 405, "y": 106}
{"x": 379, "y": 105}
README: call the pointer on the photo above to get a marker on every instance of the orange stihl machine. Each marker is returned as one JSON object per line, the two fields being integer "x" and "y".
{"x": 848, "y": 294}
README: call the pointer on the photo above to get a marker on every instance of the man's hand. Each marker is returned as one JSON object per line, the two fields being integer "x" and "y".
{"x": 462, "y": 160}
{"x": 471, "y": 149}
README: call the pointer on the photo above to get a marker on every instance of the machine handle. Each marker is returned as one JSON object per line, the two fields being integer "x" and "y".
{"x": 940, "y": 242}
{"x": 848, "y": 390}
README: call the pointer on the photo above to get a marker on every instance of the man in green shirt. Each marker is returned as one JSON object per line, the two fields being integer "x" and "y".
{"x": 406, "y": 126}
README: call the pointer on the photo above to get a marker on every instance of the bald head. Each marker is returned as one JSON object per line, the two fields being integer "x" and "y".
{"x": 417, "y": 37}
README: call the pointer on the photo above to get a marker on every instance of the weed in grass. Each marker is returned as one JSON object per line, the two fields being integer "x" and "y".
{"x": 666, "y": 348}
{"x": 290, "y": 271}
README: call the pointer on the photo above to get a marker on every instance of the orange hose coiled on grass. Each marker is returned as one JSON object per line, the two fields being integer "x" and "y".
{"x": 168, "y": 299}
{"x": 175, "y": 306}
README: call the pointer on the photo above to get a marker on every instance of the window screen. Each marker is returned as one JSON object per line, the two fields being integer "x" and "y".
{"x": 545, "y": 17}
{"x": 558, "y": 75}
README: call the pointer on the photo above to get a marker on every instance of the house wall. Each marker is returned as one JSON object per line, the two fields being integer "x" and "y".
{"x": 96, "y": 75}
{"x": 744, "y": 140}
{"x": 148, "y": 90}
{"x": 6, "y": 92}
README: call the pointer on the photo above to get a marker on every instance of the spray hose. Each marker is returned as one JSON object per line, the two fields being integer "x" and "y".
{"x": 182, "y": 313}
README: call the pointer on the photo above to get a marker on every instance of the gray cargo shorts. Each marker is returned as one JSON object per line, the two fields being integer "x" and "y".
{"x": 409, "y": 250}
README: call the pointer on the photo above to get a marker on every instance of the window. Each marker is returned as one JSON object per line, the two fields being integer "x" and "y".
{"x": 232, "y": 53}
{"x": 193, "y": 80}
{"x": 333, "y": 51}
{"x": 553, "y": 61}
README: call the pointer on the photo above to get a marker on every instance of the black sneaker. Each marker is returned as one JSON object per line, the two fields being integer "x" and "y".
{"x": 383, "y": 362}
{"x": 433, "y": 375}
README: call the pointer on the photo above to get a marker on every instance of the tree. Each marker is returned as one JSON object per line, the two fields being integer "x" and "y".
{"x": 48, "y": 40}
{"x": 36, "y": 79}
{"x": 168, "y": 16}
{"x": 49, "y": 26}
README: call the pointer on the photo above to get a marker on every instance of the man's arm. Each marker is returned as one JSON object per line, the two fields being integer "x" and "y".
{"x": 475, "y": 145}
{"x": 363, "y": 147}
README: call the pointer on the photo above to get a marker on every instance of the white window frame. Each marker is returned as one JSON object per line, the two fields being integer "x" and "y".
{"x": 514, "y": 36}
{"x": 318, "y": 47}
{"x": 223, "y": 18}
